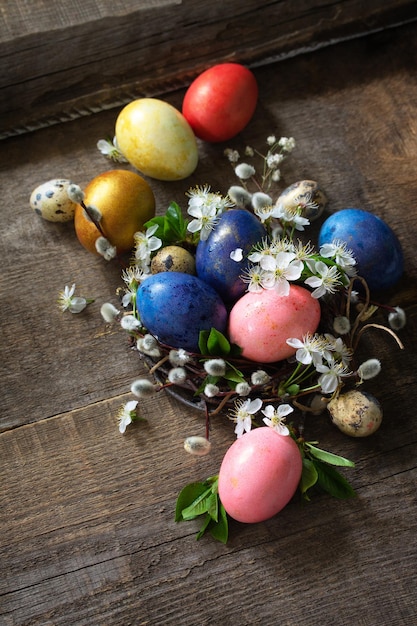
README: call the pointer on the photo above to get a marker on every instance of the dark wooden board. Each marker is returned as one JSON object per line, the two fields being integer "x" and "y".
{"x": 60, "y": 60}
{"x": 86, "y": 515}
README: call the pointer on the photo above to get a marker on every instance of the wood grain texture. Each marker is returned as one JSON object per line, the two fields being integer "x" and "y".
{"x": 86, "y": 515}
{"x": 61, "y": 60}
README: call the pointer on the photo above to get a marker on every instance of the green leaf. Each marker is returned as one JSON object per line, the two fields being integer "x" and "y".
{"x": 328, "y": 457}
{"x": 309, "y": 475}
{"x": 332, "y": 481}
{"x": 206, "y": 523}
{"x": 217, "y": 343}
{"x": 234, "y": 375}
{"x": 198, "y": 507}
{"x": 220, "y": 531}
{"x": 213, "y": 506}
{"x": 187, "y": 496}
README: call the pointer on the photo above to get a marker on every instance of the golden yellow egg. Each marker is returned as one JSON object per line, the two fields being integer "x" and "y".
{"x": 157, "y": 139}
{"x": 125, "y": 201}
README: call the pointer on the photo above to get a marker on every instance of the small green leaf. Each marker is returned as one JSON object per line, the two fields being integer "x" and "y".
{"x": 187, "y": 496}
{"x": 202, "y": 341}
{"x": 220, "y": 531}
{"x": 309, "y": 475}
{"x": 217, "y": 343}
{"x": 328, "y": 457}
{"x": 332, "y": 481}
{"x": 234, "y": 375}
{"x": 198, "y": 507}
{"x": 206, "y": 523}
{"x": 213, "y": 506}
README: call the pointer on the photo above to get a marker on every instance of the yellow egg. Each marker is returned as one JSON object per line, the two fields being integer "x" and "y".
{"x": 125, "y": 201}
{"x": 157, "y": 139}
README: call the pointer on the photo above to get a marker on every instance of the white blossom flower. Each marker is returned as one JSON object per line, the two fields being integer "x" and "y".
{"x": 339, "y": 350}
{"x": 109, "y": 312}
{"x": 397, "y": 318}
{"x": 232, "y": 155}
{"x": 261, "y": 200}
{"x": 127, "y": 414}
{"x": 264, "y": 213}
{"x": 244, "y": 171}
{"x": 310, "y": 350}
{"x": 206, "y": 208}
{"x": 215, "y": 367}
{"x": 249, "y": 151}
{"x": 287, "y": 143}
{"x": 281, "y": 269}
{"x": 271, "y": 140}
{"x": 130, "y": 323}
{"x": 133, "y": 275}
{"x": 111, "y": 150}
{"x": 275, "y": 418}
{"x": 68, "y": 302}
{"x": 291, "y": 216}
{"x": 242, "y": 415}
{"x": 339, "y": 251}
{"x": 326, "y": 280}
{"x": 255, "y": 277}
{"x": 273, "y": 160}
{"x": 331, "y": 375}
{"x": 276, "y": 176}
{"x": 145, "y": 244}
{"x": 369, "y": 369}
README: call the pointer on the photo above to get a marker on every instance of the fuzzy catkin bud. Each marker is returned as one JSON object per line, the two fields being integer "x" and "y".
{"x": 260, "y": 377}
{"x": 105, "y": 249}
{"x": 211, "y": 391}
{"x": 397, "y": 318}
{"x": 143, "y": 388}
{"x": 109, "y": 312}
{"x": 369, "y": 369}
{"x": 177, "y": 375}
{"x": 75, "y": 193}
{"x": 243, "y": 389}
{"x": 244, "y": 171}
{"x": 240, "y": 196}
{"x": 198, "y": 446}
{"x": 215, "y": 367}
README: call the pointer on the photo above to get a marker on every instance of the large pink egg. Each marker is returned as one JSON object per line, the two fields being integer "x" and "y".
{"x": 259, "y": 475}
{"x": 260, "y": 323}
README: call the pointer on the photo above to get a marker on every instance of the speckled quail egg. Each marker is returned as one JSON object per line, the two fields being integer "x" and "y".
{"x": 173, "y": 259}
{"x": 306, "y": 193}
{"x": 356, "y": 413}
{"x": 50, "y": 201}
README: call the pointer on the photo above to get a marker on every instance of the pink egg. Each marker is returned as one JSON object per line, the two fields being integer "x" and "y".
{"x": 260, "y": 323}
{"x": 259, "y": 475}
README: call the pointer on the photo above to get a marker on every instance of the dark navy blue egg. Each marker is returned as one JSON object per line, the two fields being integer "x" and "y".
{"x": 174, "y": 307}
{"x": 237, "y": 228}
{"x": 378, "y": 254}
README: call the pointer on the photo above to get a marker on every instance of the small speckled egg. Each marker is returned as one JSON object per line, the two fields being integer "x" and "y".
{"x": 356, "y": 413}
{"x": 50, "y": 201}
{"x": 173, "y": 259}
{"x": 261, "y": 323}
{"x": 307, "y": 193}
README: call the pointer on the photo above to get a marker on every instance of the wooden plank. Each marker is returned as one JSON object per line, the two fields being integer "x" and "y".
{"x": 86, "y": 515}
{"x": 68, "y": 59}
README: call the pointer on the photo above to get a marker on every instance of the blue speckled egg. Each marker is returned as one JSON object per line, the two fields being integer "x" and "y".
{"x": 174, "y": 307}
{"x": 237, "y": 228}
{"x": 377, "y": 251}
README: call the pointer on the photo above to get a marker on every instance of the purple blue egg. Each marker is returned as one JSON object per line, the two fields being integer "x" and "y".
{"x": 175, "y": 307}
{"x": 237, "y": 228}
{"x": 376, "y": 248}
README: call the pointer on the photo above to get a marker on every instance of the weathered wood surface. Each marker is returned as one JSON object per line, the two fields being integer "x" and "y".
{"x": 64, "y": 59}
{"x": 86, "y": 515}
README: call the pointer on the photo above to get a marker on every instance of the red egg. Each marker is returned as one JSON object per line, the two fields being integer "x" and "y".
{"x": 220, "y": 102}
{"x": 259, "y": 475}
{"x": 261, "y": 323}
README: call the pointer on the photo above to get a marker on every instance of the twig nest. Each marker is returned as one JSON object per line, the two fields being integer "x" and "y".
{"x": 173, "y": 259}
{"x": 51, "y": 202}
{"x": 356, "y": 413}
{"x": 306, "y": 193}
